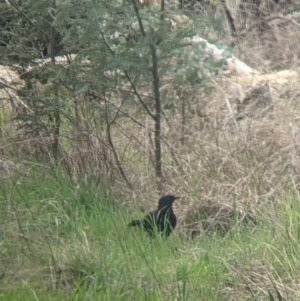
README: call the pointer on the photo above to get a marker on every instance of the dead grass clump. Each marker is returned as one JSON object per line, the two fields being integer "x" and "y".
{"x": 211, "y": 217}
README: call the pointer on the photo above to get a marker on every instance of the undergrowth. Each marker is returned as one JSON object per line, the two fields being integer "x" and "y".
{"x": 61, "y": 241}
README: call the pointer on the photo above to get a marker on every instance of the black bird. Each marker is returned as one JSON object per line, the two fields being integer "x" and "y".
{"x": 161, "y": 221}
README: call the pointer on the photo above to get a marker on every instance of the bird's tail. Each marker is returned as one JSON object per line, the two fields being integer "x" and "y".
{"x": 135, "y": 223}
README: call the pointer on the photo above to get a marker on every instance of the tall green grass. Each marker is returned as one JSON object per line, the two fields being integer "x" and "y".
{"x": 66, "y": 241}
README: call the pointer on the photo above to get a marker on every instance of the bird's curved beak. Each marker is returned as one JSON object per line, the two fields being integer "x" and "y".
{"x": 177, "y": 197}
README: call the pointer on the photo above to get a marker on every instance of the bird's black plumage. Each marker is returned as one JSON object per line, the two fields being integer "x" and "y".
{"x": 162, "y": 220}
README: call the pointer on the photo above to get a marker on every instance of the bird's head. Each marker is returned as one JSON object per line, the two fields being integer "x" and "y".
{"x": 167, "y": 201}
